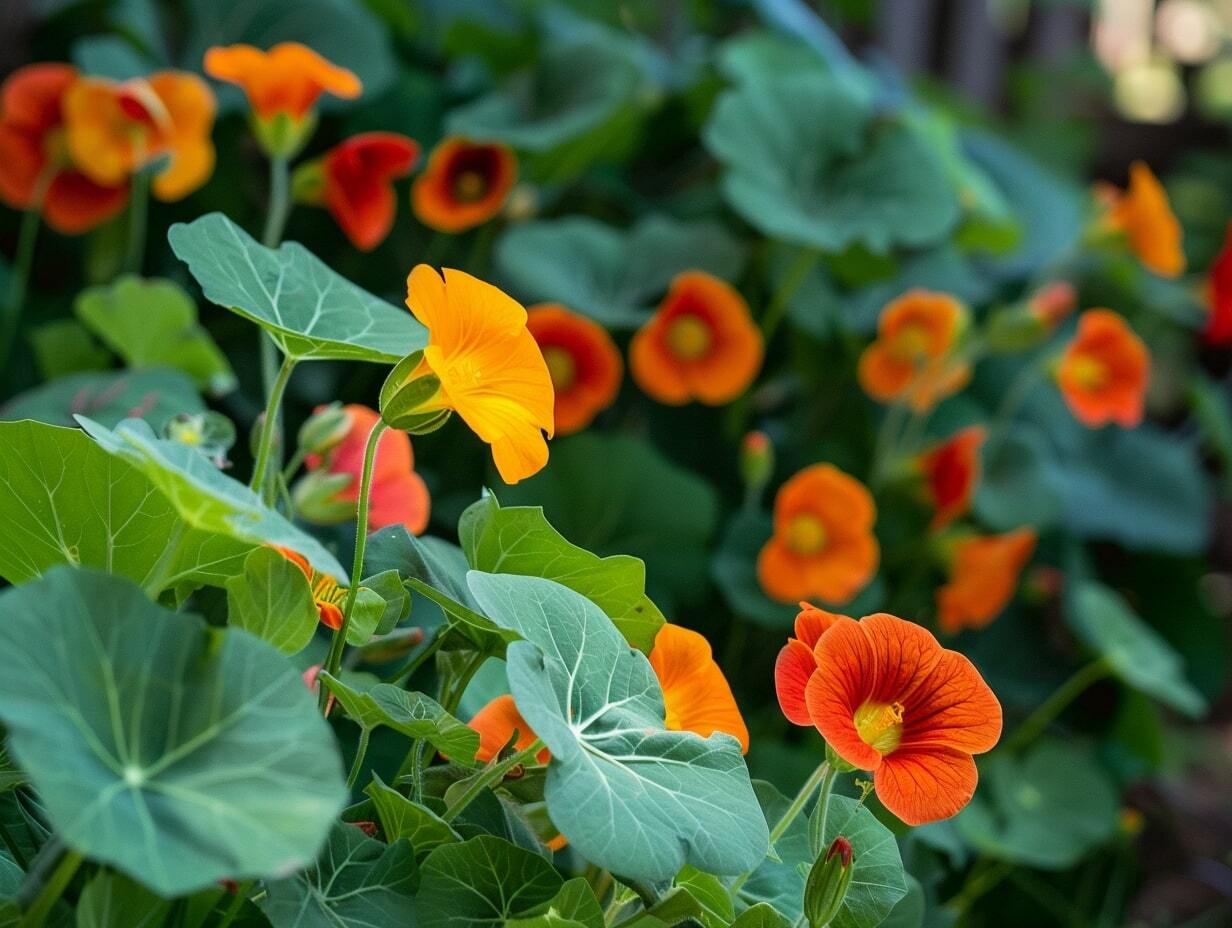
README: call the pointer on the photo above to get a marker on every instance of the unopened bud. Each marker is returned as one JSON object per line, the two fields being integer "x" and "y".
{"x": 385, "y": 648}
{"x": 324, "y": 429}
{"x": 316, "y": 498}
{"x": 308, "y": 183}
{"x": 827, "y": 883}
{"x": 756, "y": 460}
{"x": 1053, "y": 302}
{"x": 410, "y": 395}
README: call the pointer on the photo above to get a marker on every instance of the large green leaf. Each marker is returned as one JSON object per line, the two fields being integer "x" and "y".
{"x": 629, "y": 795}
{"x": 205, "y": 497}
{"x": 153, "y": 394}
{"x": 178, "y": 753}
{"x": 615, "y": 494}
{"x": 779, "y": 879}
{"x": 355, "y": 883}
{"x": 309, "y": 310}
{"x": 154, "y": 323}
{"x": 64, "y": 500}
{"x": 480, "y": 882}
{"x": 112, "y": 900}
{"x": 614, "y": 276}
{"x": 272, "y": 600}
{"x": 403, "y": 818}
{"x": 877, "y": 883}
{"x": 520, "y": 540}
{"x": 805, "y": 160}
{"x": 1134, "y": 650}
{"x": 1046, "y": 809}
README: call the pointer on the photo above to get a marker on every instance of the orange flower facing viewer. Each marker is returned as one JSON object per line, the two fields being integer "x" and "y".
{"x": 491, "y": 371}
{"x": 700, "y": 345}
{"x": 1145, "y": 217}
{"x": 951, "y": 473}
{"x": 115, "y": 129}
{"x": 464, "y": 184}
{"x": 356, "y": 184}
{"x": 1104, "y": 370}
{"x": 889, "y": 699}
{"x": 327, "y": 595}
{"x": 796, "y": 664}
{"x": 912, "y": 358}
{"x": 36, "y": 170}
{"x": 983, "y": 576}
{"x": 583, "y": 361}
{"x": 823, "y": 543}
{"x": 286, "y": 80}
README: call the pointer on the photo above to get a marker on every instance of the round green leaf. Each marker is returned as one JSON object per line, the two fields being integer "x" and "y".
{"x": 481, "y": 882}
{"x": 154, "y": 394}
{"x": 272, "y": 600}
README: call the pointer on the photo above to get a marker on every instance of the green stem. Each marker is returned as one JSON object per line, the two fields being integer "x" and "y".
{"x": 276, "y": 214}
{"x": 1054, "y": 705}
{"x": 360, "y": 753}
{"x": 293, "y": 465}
{"x": 36, "y": 915}
{"x": 160, "y": 574}
{"x": 237, "y": 903}
{"x": 821, "y": 774}
{"x": 463, "y": 680}
{"x": 269, "y": 428}
{"x": 817, "y": 824}
{"x": 1019, "y": 389}
{"x": 494, "y": 774}
{"x": 419, "y": 659}
{"x": 338, "y": 645}
{"x": 787, "y": 288}
{"x": 887, "y": 442}
{"x": 19, "y": 276}
{"x": 138, "y": 211}
{"x": 980, "y": 880}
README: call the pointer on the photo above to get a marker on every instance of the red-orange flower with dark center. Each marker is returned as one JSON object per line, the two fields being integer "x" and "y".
{"x": 399, "y": 495}
{"x": 464, "y": 184}
{"x": 1145, "y": 216}
{"x": 913, "y": 358}
{"x": 357, "y": 183}
{"x": 36, "y": 171}
{"x": 889, "y": 699}
{"x": 796, "y": 665}
{"x": 288, "y": 79}
{"x": 951, "y": 473}
{"x": 583, "y": 361}
{"x": 327, "y": 594}
{"x": 1218, "y": 330}
{"x": 984, "y": 573}
{"x": 700, "y": 345}
{"x": 823, "y": 543}
{"x": 1104, "y": 371}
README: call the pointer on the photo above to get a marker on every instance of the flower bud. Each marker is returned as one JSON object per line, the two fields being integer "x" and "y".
{"x": 827, "y": 883}
{"x": 324, "y": 429}
{"x": 308, "y": 183}
{"x": 385, "y": 648}
{"x": 282, "y": 136}
{"x": 756, "y": 461}
{"x": 410, "y": 397}
{"x": 1053, "y": 302}
{"x": 316, "y": 498}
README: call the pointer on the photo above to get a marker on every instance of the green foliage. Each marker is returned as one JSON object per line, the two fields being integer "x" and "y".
{"x": 272, "y": 600}
{"x": 153, "y": 394}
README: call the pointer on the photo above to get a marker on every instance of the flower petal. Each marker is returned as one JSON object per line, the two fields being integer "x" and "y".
{"x": 923, "y": 786}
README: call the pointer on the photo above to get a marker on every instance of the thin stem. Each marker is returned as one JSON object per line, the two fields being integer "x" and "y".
{"x": 817, "y": 834}
{"x": 276, "y": 214}
{"x": 462, "y": 681}
{"x": 360, "y": 753}
{"x": 233, "y": 909}
{"x": 338, "y": 645}
{"x": 1019, "y": 389}
{"x": 19, "y": 275}
{"x": 787, "y": 288}
{"x": 419, "y": 659}
{"x": 1054, "y": 705}
{"x": 160, "y": 576}
{"x": 980, "y": 880}
{"x": 51, "y": 891}
{"x": 138, "y": 211}
{"x": 887, "y": 441}
{"x": 793, "y": 811}
{"x": 269, "y": 427}
{"x": 293, "y": 465}
{"x": 489, "y": 777}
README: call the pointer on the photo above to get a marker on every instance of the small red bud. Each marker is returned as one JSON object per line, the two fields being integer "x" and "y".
{"x": 842, "y": 848}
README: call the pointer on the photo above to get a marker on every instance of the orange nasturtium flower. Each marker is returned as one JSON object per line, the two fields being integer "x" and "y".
{"x": 951, "y": 473}
{"x": 327, "y": 594}
{"x": 1104, "y": 371}
{"x": 701, "y": 344}
{"x": 983, "y": 575}
{"x": 36, "y": 170}
{"x": 330, "y": 492}
{"x": 823, "y": 543}
{"x": 114, "y": 129}
{"x": 488, "y": 368}
{"x": 796, "y": 664}
{"x": 889, "y": 699}
{"x": 354, "y": 181}
{"x": 913, "y": 357}
{"x": 583, "y": 361}
{"x": 287, "y": 80}
{"x": 464, "y": 184}
{"x": 1142, "y": 213}
{"x": 696, "y": 697}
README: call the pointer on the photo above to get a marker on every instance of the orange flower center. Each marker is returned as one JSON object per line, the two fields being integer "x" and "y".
{"x": 806, "y": 535}
{"x": 1089, "y": 373}
{"x": 880, "y": 725}
{"x": 689, "y": 337}
{"x": 910, "y": 343}
{"x": 469, "y": 186}
{"x": 561, "y": 367}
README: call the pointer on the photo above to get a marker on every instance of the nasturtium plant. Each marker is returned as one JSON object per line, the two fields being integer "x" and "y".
{"x": 155, "y": 394}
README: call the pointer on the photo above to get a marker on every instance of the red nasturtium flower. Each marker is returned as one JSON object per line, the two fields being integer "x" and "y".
{"x": 823, "y": 543}
{"x": 399, "y": 495}
{"x": 36, "y": 169}
{"x": 1218, "y": 330}
{"x": 286, "y": 80}
{"x": 583, "y": 361}
{"x": 983, "y": 574}
{"x": 114, "y": 129}
{"x": 795, "y": 663}
{"x": 491, "y": 371}
{"x": 951, "y": 473}
{"x": 1104, "y": 370}
{"x": 354, "y": 181}
{"x": 327, "y": 594}
{"x": 701, "y": 344}
{"x": 1142, "y": 213}
{"x": 464, "y": 184}
{"x": 889, "y": 699}
{"x": 913, "y": 359}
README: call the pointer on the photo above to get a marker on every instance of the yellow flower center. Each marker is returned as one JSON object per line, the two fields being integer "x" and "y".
{"x": 880, "y": 725}
{"x": 689, "y": 337}
{"x": 561, "y": 367}
{"x": 1089, "y": 373}
{"x": 911, "y": 343}
{"x": 469, "y": 186}
{"x": 325, "y": 589}
{"x": 806, "y": 534}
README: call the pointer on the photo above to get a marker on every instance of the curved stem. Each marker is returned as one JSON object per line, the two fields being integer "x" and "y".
{"x": 817, "y": 824}
{"x": 1054, "y": 705}
{"x": 821, "y": 774}
{"x": 360, "y": 753}
{"x": 338, "y": 645}
{"x": 36, "y": 915}
{"x": 269, "y": 429}
{"x": 277, "y": 211}
{"x": 19, "y": 276}
{"x": 489, "y": 777}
